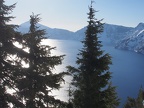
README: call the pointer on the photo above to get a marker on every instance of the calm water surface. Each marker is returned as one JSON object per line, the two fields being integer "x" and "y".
{"x": 127, "y": 67}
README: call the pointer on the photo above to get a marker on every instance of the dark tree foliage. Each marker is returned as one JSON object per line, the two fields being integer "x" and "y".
{"x": 9, "y": 66}
{"x": 91, "y": 78}
{"x": 70, "y": 92}
{"x": 38, "y": 79}
{"x": 136, "y": 103}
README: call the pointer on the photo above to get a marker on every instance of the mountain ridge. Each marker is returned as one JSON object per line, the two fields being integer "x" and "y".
{"x": 121, "y": 37}
{"x": 134, "y": 40}
{"x": 55, "y": 33}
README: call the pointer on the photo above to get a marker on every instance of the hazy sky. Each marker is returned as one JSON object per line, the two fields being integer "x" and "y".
{"x": 72, "y": 14}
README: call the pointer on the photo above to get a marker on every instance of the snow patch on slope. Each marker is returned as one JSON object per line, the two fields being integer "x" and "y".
{"x": 121, "y": 37}
{"x": 134, "y": 41}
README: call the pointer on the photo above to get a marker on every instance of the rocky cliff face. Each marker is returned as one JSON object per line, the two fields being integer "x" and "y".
{"x": 134, "y": 40}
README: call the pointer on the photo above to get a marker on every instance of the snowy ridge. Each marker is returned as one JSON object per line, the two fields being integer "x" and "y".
{"x": 121, "y": 37}
{"x": 134, "y": 40}
{"x": 52, "y": 33}
{"x": 111, "y": 33}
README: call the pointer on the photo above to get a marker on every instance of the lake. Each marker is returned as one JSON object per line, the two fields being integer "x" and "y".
{"x": 127, "y": 67}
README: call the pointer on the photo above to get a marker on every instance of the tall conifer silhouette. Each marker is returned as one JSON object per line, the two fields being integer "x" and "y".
{"x": 38, "y": 79}
{"x": 9, "y": 67}
{"x": 91, "y": 78}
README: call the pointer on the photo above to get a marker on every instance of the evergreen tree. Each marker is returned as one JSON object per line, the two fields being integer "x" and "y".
{"x": 38, "y": 79}
{"x": 91, "y": 77}
{"x": 131, "y": 103}
{"x": 140, "y": 98}
{"x": 136, "y": 103}
{"x": 70, "y": 104}
{"x": 9, "y": 66}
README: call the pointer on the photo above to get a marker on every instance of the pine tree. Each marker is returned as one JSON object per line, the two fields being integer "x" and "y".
{"x": 91, "y": 77}
{"x": 70, "y": 104}
{"x": 38, "y": 79}
{"x": 135, "y": 103}
{"x": 131, "y": 103}
{"x": 9, "y": 66}
{"x": 140, "y": 98}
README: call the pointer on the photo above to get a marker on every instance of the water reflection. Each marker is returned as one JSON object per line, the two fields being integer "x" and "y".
{"x": 127, "y": 67}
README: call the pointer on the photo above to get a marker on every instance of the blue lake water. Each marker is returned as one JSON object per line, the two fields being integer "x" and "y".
{"x": 127, "y": 68}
